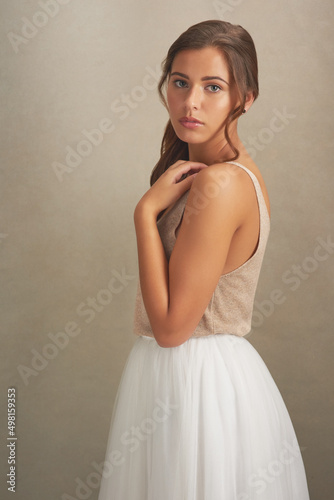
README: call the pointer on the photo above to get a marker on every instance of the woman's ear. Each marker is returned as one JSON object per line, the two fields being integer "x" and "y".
{"x": 249, "y": 100}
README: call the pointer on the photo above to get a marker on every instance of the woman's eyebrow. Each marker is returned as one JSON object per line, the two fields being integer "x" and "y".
{"x": 203, "y": 79}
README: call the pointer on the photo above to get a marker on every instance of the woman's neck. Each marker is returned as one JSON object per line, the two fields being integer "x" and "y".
{"x": 210, "y": 153}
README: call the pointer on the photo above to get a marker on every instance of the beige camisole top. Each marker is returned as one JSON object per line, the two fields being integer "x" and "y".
{"x": 231, "y": 305}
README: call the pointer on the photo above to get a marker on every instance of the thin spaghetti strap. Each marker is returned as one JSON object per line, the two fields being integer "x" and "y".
{"x": 257, "y": 186}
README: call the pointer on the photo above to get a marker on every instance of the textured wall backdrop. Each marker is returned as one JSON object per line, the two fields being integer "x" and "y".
{"x": 80, "y": 133}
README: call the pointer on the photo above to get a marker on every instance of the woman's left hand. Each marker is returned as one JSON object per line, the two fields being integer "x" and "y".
{"x": 169, "y": 187}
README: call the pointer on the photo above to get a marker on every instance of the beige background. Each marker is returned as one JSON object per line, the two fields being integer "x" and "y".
{"x": 66, "y": 231}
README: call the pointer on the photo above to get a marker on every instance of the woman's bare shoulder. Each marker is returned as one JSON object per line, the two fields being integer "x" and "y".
{"x": 226, "y": 171}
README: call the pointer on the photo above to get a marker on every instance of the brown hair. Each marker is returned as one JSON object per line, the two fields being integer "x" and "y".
{"x": 237, "y": 46}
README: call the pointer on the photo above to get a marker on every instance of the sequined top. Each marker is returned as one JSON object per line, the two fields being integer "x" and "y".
{"x": 231, "y": 305}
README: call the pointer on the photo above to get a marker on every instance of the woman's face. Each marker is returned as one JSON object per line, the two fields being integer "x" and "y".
{"x": 199, "y": 87}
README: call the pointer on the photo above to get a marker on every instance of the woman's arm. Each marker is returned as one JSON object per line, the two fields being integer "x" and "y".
{"x": 153, "y": 270}
{"x": 176, "y": 294}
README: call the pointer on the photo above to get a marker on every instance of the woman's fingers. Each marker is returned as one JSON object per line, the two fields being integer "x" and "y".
{"x": 172, "y": 184}
{"x": 181, "y": 168}
{"x": 187, "y": 165}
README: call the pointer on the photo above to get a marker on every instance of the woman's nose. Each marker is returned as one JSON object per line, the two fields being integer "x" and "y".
{"x": 193, "y": 98}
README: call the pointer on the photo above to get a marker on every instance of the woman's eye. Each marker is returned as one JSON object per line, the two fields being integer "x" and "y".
{"x": 182, "y": 84}
{"x": 214, "y": 88}
{"x": 179, "y": 83}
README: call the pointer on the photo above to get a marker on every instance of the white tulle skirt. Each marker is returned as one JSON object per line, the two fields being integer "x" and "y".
{"x": 201, "y": 421}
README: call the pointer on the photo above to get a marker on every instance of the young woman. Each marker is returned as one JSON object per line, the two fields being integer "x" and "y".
{"x": 198, "y": 415}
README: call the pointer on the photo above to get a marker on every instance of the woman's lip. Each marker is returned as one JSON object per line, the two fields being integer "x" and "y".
{"x": 188, "y": 123}
{"x": 190, "y": 119}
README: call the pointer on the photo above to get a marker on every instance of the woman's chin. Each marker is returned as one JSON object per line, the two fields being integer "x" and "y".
{"x": 189, "y": 137}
